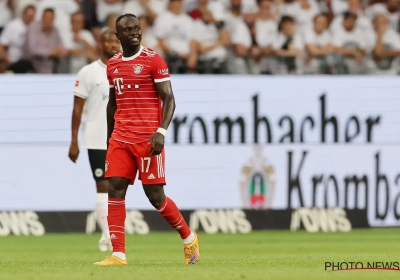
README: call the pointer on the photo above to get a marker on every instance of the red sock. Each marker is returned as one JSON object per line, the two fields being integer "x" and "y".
{"x": 116, "y": 223}
{"x": 173, "y": 216}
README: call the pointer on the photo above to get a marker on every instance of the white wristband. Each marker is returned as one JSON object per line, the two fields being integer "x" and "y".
{"x": 161, "y": 130}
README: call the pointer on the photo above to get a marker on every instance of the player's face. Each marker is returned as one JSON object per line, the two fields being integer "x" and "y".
{"x": 110, "y": 46}
{"x": 129, "y": 32}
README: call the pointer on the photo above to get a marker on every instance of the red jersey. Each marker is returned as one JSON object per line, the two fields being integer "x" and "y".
{"x": 139, "y": 108}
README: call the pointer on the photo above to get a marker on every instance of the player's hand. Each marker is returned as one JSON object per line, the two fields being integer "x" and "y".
{"x": 73, "y": 152}
{"x": 157, "y": 143}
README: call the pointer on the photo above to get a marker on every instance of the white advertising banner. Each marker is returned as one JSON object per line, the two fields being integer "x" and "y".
{"x": 235, "y": 142}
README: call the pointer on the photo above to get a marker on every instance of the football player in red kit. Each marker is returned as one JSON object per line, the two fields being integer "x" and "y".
{"x": 139, "y": 111}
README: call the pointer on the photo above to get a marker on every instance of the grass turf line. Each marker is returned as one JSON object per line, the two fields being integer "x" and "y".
{"x": 259, "y": 255}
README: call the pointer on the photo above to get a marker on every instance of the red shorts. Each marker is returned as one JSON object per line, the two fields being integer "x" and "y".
{"x": 125, "y": 160}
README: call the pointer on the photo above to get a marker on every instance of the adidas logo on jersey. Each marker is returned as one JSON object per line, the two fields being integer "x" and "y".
{"x": 115, "y": 71}
{"x": 151, "y": 176}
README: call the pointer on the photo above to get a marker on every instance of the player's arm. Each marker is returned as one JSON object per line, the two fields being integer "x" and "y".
{"x": 111, "y": 105}
{"x": 81, "y": 92}
{"x": 160, "y": 75}
{"x": 164, "y": 90}
{"x": 77, "y": 111}
{"x": 111, "y": 109}
{"x": 79, "y": 104}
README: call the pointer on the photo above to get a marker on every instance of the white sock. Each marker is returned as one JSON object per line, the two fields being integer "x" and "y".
{"x": 189, "y": 239}
{"x": 119, "y": 255}
{"x": 101, "y": 213}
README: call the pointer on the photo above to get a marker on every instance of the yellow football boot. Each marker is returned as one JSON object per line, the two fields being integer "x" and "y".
{"x": 192, "y": 251}
{"x": 112, "y": 261}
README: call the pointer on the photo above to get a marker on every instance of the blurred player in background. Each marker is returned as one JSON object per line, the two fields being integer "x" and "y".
{"x": 91, "y": 91}
{"x": 140, "y": 109}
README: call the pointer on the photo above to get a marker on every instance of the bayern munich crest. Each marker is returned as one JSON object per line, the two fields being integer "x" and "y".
{"x": 137, "y": 69}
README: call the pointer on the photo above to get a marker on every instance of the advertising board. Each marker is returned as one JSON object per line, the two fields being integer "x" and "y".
{"x": 234, "y": 142}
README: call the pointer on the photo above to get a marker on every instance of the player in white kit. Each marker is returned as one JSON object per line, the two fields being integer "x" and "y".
{"x": 91, "y": 92}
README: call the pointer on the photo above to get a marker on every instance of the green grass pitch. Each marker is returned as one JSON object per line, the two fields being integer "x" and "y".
{"x": 259, "y": 255}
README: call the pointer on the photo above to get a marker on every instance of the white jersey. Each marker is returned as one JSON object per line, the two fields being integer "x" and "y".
{"x": 92, "y": 85}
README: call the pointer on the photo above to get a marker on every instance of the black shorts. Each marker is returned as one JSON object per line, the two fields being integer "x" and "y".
{"x": 97, "y": 159}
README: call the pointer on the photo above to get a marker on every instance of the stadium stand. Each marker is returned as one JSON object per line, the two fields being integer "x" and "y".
{"x": 273, "y": 37}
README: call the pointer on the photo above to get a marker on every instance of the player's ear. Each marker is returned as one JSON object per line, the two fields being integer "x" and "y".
{"x": 116, "y": 34}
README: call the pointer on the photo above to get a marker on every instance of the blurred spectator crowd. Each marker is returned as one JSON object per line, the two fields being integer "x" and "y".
{"x": 209, "y": 36}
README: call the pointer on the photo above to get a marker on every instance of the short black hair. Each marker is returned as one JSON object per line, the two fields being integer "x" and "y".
{"x": 124, "y": 16}
{"x": 49, "y": 10}
{"x": 285, "y": 19}
{"x": 348, "y": 14}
